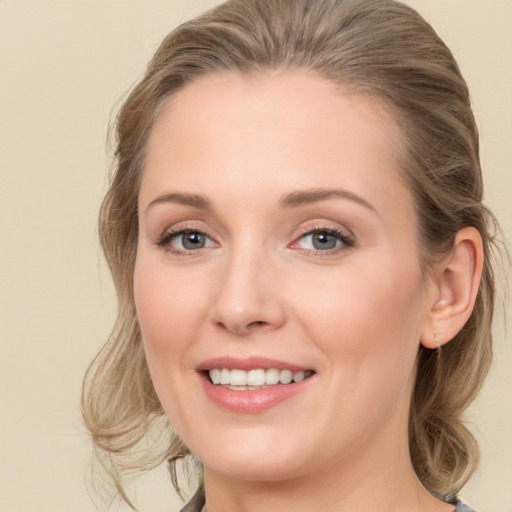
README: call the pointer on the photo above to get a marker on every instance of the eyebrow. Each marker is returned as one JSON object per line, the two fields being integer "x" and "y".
{"x": 193, "y": 200}
{"x": 291, "y": 200}
{"x": 305, "y": 197}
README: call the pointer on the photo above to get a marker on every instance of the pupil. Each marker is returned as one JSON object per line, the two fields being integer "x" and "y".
{"x": 324, "y": 241}
{"x": 193, "y": 240}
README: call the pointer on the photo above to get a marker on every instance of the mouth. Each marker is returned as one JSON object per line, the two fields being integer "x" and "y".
{"x": 252, "y": 384}
{"x": 237, "y": 379}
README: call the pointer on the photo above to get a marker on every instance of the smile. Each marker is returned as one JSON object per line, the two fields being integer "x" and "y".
{"x": 252, "y": 384}
{"x": 258, "y": 378}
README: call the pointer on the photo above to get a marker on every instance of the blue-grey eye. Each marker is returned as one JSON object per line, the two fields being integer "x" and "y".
{"x": 193, "y": 240}
{"x": 324, "y": 241}
{"x": 319, "y": 240}
{"x": 187, "y": 240}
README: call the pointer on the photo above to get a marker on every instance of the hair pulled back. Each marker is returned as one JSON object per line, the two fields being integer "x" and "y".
{"x": 380, "y": 47}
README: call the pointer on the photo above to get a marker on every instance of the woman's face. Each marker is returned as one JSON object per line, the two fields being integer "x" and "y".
{"x": 277, "y": 241}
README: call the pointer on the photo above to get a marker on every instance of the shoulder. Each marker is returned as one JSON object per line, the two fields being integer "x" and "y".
{"x": 462, "y": 507}
{"x": 197, "y": 501}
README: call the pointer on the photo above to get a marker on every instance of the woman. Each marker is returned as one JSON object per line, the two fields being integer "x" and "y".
{"x": 303, "y": 262}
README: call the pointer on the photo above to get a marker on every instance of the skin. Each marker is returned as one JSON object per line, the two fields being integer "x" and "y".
{"x": 356, "y": 315}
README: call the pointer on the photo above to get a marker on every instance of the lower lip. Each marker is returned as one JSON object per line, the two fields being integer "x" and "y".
{"x": 251, "y": 401}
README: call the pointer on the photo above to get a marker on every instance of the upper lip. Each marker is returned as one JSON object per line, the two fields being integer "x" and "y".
{"x": 248, "y": 363}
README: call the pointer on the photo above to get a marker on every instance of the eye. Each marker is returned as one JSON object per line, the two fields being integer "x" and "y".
{"x": 185, "y": 240}
{"x": 323, "y": 240}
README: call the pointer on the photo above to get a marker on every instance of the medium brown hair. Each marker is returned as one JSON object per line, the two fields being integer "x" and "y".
{"x": 380, "y": 47}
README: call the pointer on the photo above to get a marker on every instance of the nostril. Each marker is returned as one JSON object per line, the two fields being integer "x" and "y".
{"x": 257, "y": 324}
{"x": 241, "y": 329}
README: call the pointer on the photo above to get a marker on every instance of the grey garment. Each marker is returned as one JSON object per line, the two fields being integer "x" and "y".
{"x": 462, "y": 507}
{"x": 197, "y": 503}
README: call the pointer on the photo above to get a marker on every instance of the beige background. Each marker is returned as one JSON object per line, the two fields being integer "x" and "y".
{"x": 63, "y": 65}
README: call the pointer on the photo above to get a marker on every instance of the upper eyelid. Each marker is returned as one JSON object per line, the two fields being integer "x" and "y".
{"x": 181, "y": 226}
{"x": 324, "y": 226}
{"x": 339, "y": 234}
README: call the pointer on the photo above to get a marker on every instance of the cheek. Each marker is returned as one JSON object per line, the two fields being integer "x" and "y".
{"x": 371, "y": 334}
{"x": 156, "y": 309}
{"x": 368, "y": 319}
{"x": 167, "y": 302}
{"x": 167, "y": 311}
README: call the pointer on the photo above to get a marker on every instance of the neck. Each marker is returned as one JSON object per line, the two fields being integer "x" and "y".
{"x": 380, "y": 477}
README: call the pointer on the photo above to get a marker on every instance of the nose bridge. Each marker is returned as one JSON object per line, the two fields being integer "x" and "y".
{"x": 247, "y": 297}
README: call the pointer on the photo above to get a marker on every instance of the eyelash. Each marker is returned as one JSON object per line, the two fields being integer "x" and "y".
{"x": 347, "y": 241}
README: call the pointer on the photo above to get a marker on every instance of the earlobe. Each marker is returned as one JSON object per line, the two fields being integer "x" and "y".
{"x": 455, "y": 289}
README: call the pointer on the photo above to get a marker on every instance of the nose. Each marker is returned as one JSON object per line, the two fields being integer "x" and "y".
{"x": 249, "y": 296}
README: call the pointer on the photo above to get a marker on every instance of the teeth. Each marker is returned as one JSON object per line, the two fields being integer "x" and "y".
{"x": 238, "y": 378}
{"x": 286, "y": 377}
{"x": 215, "y": 376}
{"x": 225, "y": 377}
{"x": 298, "y": 376}
{"x": 272, "y": 376}
{"x": 254, "y": 379}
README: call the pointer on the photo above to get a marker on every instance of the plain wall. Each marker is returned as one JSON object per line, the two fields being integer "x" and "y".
{"x": 63, "y": 66}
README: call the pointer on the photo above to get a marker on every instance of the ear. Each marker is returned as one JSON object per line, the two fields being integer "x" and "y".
{"x": 454, "y": 289}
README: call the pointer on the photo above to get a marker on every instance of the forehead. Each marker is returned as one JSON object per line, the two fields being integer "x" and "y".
{"x": 244, "y": 133}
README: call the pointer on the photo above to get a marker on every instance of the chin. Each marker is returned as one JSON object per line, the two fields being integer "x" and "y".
{"x": 251, "y": 457}
{"x": 239, "y": 468}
